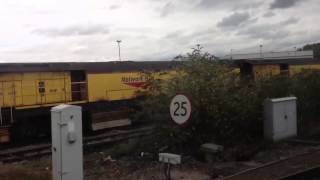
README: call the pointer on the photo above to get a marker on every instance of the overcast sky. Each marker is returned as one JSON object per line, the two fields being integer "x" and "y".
{"x": 87, "y": 30}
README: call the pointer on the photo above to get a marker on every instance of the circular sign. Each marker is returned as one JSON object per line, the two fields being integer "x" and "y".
{"x": 180, "y": 109}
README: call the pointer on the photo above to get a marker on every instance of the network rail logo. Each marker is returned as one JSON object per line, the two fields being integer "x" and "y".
{"x": 137, "y": 82}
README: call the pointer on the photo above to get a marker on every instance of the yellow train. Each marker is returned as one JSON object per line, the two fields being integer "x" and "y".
{"x": 259, "y": 69}
{"x": 105, "y": 90}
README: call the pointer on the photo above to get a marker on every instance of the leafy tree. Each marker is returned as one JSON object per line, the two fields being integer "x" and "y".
{"x": 224, "y": 109}
{"x": 227, "y": 109}
{"x": 315, "y": 47}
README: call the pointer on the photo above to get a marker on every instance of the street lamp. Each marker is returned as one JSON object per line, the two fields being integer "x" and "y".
{"x": 119, "y": 41}
{"x": 261, "y": 50}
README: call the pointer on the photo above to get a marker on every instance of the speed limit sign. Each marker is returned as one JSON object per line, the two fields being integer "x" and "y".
{"x": 180, "y": 109}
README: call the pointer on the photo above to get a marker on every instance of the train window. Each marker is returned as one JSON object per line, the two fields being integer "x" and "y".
{"x": 41, "y": 87}
{"x": 41, "y": 84}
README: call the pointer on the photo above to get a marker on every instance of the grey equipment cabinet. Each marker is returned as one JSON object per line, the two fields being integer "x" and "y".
{"x": 280, "y": 118}
{"x": 67, "y": 151}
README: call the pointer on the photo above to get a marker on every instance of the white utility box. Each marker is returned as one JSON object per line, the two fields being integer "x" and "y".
{"x": 67, "y": 153}
{"x": 280, "y": 118}
{"x": 169, "y": 158}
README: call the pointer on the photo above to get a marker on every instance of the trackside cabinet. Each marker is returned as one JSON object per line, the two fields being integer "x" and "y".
{"x": 67, "y": 153}
{"x": 280, "y": 118}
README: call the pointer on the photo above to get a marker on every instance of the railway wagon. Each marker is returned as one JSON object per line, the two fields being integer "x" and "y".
{"x": 105, "y": 90}
{"x": 259, "y": 69}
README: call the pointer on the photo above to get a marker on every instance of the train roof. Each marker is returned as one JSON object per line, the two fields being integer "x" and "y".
{"x": 278, "y": 61}
{"x": 111, "y": 66}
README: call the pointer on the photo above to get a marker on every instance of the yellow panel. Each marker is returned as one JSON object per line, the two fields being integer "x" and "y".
{"x": 55, "y": 88}
{"x": 22, "y": 89}
{"x": 114, "y": 86}
{"x": 293, "y": 69}
{"x": 263, "y": 71}
{"x": 10, "y": 76}
{"x": 8, "y": 99}
{"x": 66, "y": 88}
{"x": 17, "y": 93}
{"x": 54, "y": 91}
{"x": 29, "y": 91}
{"x": 1, "y": 94}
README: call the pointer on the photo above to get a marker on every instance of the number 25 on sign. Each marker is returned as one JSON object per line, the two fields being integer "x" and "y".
{"x": 180, "y": 109}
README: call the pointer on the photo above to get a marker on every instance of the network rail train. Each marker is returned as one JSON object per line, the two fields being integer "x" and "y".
{"x": 105, "y": 90}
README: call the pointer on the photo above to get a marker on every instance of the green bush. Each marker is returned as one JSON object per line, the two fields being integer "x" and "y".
{"x": 222, "y": 111}
{"x": 226, "y": 109}
{"x": 306, "y": 87}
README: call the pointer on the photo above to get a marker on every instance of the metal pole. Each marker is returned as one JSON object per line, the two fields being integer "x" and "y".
{"x": 261, "y": 51}
{"x": 119, "y": 41}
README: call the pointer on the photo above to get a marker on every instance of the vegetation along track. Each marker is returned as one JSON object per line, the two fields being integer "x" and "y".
{"x": 282, "y": 169}
{"x": 37, "y": 150}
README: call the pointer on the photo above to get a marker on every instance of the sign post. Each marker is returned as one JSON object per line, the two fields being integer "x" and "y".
{"x": 180, "y": 109}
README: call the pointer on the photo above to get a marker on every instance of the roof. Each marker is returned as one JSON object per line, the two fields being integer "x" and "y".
{"x": 279, "y": 61}
{"x": 113, "y": 66}
{"x": 273, "y": 55}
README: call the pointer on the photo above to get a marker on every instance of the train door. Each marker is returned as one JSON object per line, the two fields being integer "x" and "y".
{"x": 10, "y": 97}
{"x": 1, "y": 95}
{"x": 51, "y": 87}
{"x": 78, "y": 85}
{"x": 8, "y": 91}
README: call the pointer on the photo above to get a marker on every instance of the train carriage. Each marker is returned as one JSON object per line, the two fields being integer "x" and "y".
{"x": 105, "y": 90}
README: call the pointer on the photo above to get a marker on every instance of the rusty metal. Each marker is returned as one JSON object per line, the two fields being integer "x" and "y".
{"x": 4, "y": 135}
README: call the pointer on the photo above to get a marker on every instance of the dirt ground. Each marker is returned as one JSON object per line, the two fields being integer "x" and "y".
{"x": 100, "y": 165}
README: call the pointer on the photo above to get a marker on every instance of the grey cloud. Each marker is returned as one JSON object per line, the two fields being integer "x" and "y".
{"x": 134, "y": 30}
{"x": 183, "y": 37}
{"x": 167, "y": 9}
{"x": 189, "y": 6}
{"x": 234, "y": 20}
{"x": 269, "y": 31}
{"x": 290, "y": 21}
{"x": 248, "y": 5}
{"x": 299, "y": 40}
{"x": 76, "y": 30}
{"x": 114, "y": 7}
{"x": 283, "y": 4}
{"x": 230, "y": 4}
{"x": 268, "y": 14}
{"x": 174, "y": 35}
{"x": 214, "y": 3}
{"x": 264, "y": 32}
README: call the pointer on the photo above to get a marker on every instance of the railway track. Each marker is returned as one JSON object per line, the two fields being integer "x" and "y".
{"x": 38, "y": 150}
{"x": 282, "y": 169}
